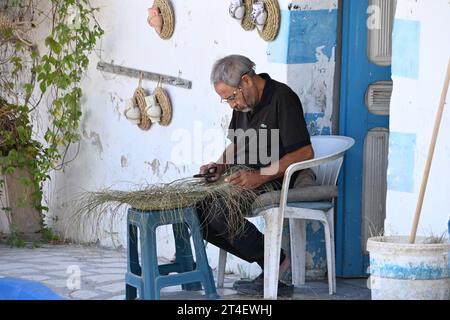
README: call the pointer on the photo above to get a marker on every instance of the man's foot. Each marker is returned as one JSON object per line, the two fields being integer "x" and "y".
{"x": 284, "y": 266}
{"x": 256, "y": 287}
{"x": 258, "y": 279}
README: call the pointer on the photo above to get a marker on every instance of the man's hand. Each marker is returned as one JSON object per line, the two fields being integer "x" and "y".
{"x": 247, "y": 179}
{"x": 214, "y": 171}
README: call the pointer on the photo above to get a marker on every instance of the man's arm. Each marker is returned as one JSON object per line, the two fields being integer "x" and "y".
{"x": 222, "y": 163}
{"x": 227, "y": 157}
{"x": 255, "y": 179}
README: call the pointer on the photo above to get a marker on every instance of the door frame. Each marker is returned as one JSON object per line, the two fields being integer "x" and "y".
{"x": 350, "y": 260}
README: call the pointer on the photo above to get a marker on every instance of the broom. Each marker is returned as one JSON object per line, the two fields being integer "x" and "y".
{"x": 423, "y": 188}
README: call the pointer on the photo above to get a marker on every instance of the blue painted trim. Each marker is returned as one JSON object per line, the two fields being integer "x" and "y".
{"x": 408, "y": 272}
{"x": 357, "y": 72}
{"x": 402, "y": 154}
{"x": 277, "y": 50}
{"x": 406, "y": 48}
{"x": 310, "y": 30}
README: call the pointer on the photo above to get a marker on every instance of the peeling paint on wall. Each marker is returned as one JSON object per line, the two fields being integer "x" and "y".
{"x": 95, "y": 141}
{"x": 315, "y": 226}
{"x": 123, "y": 162}
{"x": 155, "y": 165}
{"x": 313, "y": 4}
{"x": 117, "y": 103}
{"x": 317, "y": 124}
{"x": 171, "y": 164}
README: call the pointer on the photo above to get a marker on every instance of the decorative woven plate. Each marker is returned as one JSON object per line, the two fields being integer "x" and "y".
{"x": 166, "y": 106}
{"x": 168, "y": 18}
{"x": 139, "y": 100}
{"x": 270, "y": 31}
{"x": 247, "y": 23}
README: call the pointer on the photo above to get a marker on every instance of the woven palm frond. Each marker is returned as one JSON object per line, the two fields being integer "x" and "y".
{"x": 169, "y": 198}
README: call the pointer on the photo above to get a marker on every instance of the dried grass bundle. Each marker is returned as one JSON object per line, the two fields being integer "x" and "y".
{"x": 171, "y": 199}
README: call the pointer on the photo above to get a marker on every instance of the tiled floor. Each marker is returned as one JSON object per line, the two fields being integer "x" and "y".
{"x": 101, "y": 275}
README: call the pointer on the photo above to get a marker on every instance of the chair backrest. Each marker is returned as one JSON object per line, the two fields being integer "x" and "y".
{"x": 326, "y": 147}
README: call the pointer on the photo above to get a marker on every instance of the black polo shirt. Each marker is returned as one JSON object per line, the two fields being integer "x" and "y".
{"x": 277, "y": 122}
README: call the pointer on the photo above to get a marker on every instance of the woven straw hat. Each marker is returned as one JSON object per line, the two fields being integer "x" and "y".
{"x": 270, "y": 31}
{"x": 166, "y": 106}
{"x": 247, "y": 23}
{"x": 139, "y": 100}
{"x": 167, "y": 15}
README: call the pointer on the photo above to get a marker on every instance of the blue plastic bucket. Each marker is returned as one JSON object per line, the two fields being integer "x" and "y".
{"x": 403, "y": 271}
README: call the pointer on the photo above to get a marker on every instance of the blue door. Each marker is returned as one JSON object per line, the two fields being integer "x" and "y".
{"x": 366, "y": 87}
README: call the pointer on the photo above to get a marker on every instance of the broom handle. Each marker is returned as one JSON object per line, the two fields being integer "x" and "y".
{"x": 437, "y": 125}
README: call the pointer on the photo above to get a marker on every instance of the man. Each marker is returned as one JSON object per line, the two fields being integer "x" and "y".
{"x": 261, "y": 106}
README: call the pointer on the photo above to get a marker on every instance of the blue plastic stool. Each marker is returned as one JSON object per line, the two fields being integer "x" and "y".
{"x": 148, "y": 276}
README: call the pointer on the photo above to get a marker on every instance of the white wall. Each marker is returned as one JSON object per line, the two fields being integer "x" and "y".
{"x": 418, "y": 85}
{"x": 113, "y": 152}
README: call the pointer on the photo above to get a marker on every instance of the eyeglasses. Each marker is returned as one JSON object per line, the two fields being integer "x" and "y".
{"x": 233, "y": 97}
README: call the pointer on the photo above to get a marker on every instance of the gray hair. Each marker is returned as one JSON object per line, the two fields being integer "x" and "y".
{"x": 230, "y": 70}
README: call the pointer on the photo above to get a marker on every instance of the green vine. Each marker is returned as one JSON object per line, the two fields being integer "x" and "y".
{"x": 42, "y": 79}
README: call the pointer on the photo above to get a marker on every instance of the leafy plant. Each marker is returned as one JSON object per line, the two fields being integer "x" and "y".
{"x": 15, "y": 240}
{"x": 36, "y": 80}
{"x": 49, "y": 236}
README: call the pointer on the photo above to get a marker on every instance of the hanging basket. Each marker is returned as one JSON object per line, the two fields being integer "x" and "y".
{"x": 247, "y": 23}
{"x": 167, "y": 15}
{"x": 166, "y": 106}
{"x": 139, "y": 100}
{"x": 272, "y": 25}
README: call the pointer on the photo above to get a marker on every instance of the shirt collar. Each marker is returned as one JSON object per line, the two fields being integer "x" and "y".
{"x": 266, "y": 97}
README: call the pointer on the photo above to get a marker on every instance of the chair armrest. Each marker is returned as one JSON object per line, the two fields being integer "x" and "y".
{"x": 301, "y": 166}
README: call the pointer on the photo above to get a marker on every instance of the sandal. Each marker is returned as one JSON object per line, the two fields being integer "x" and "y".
{"x": 132, "y": 112}
{"x": 236, "y": 9}
{"x": 259, "y": 15}
{"x": 153, "y": 109}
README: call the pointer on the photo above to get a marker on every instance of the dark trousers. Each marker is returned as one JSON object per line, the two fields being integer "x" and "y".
{"x": 247, "y": 245}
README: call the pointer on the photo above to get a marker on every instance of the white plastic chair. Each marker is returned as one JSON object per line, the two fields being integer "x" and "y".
{"x": 329, "y": 154}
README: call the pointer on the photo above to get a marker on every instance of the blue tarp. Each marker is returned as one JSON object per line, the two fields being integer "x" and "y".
{"x": 19, "y": 289}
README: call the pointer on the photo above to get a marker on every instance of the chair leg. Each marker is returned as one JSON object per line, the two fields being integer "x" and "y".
{"x": 133, "y": 260}
{"x": 328, "y": 246}
{"x": 149, "y": 263}
{"x": 272, "y": 245}
{"x": 298, "y": 250}
{"x": 202, "y": 259}
{"x": 221, "y": 268}
{"x": 330, "y": 215}
{"x": 183, "y": 254}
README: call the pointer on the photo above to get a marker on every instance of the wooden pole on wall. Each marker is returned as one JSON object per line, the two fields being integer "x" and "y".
{"x": 437, "y": 126}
